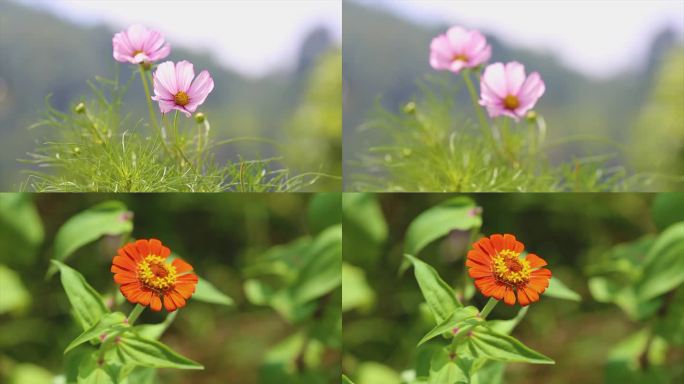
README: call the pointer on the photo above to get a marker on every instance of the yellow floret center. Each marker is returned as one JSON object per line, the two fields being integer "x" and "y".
{"x": 155, "y": 273}
{"x": 461, "y": 57}
{"x": 509, "y": 268}
{"x": 181, "y": 98}
{"x": 511, "y": 102}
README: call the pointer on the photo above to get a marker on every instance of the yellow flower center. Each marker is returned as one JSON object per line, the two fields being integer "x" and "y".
{"x": 155, "y": 273}
{"x": 460, "y": 57}
{"x": 511, "y": 102}
{"x": 181, "y": 98}
{"x": 509, "y": 268}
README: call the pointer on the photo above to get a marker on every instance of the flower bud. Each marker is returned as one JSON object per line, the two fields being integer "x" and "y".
{"x": 410, "y": 108}
{"x": 531, "y": 116}
{"x": 199, "y": 117}
{"x": 80, "y": 108}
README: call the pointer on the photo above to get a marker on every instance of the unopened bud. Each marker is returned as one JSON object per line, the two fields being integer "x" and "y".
{"x": 410, "y": 108}
{"x": 80, "y": 108}
{"x": 199, "y": 117}
{"x": 531, "y": 116}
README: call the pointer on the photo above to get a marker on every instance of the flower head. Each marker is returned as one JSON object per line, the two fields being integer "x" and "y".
{"x": 138, "y": 45}
{"x": 459, "y": 48}
{"x": 505, "y": 90}
{"x": 500, "y": 272}
{"x": 147, "y": 279}
{"x": 174, "y": 87}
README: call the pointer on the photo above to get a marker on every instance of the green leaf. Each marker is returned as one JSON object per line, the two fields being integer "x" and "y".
{"x": 455, "y": 214}
{"x": 491, "y": 372}
{"x": 21, "y": 230}
{"x": 154, "y": 331}
{"x": 321, "y": 272}
{"x": 91, "y": 372}
{"x": 496, "y": 346}
{"x": 207, "y": 293}
{"x": 356, "y": 293}
{"x": 153, "y": 354}
{"x": 325, "y": 210}
{"x": 107, "y": 324}
{"x": 29, "y": 373}
{"x": 376, "y": 373}
{"x": 14, "y": 297}
{"x": 671, "y": 325}
{"x": 440, "y": 297}
{"x": 447, "y": 368}
{"x": 664, "y": 264}
{"x": 506, "y": 326}
{"x": 365, "y": 229}
{"x": 345, "y": 380}
{"x": 559, "y": 290}
{"x": 85, "y": 301}
{"x": 667, "y": 209}
{"x": 107, "y": 218}
{"x": 460, "y": 318}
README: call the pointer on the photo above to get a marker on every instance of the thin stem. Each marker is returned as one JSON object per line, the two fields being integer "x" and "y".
{"x": 135, "y": 313}
{"x": 484, "y": 125}
{"x": 153, "y": 117}
{"x": 488, "y": 307}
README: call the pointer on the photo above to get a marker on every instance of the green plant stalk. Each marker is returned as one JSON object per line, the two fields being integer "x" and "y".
{"x": 135, "y": 313}
{"x": 488, "y": 307}
{"x": 153, "y": 117}
{"x": 484, "y": 125}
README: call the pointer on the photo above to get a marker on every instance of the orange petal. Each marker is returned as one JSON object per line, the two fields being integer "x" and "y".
{"x": 145, "y": 298}
{"x": 188, "y": 278}
{"x": 497, "y": 241}
{"x": 165, "y": 252}
{"x": 499, "y": 291}
{"x": 124, "y": 262}
{"x": 155, "y": 246}
{"x": 535, "y": 261}
{"x": 177, "y": 299}
{"x": 509, "y": 296}
{"x": 485, "y": 245}
{"x": 117, "y": 269}
{"x": 476, "y": 273}
{"x": 508, "y": 241}
{"x": 122, "y": 278}
{"x": 143, "y": 247}
{"x": 519, "y": 247}
{"x": 522, "y": 298}
{"x": 131, "y": 251}
{"x": 531, "y": 294}
{"x": 541, "y": 272}
{"x": 181, "y": 266}
{"x": 186, "y": 290}
{"x": 169, "y": 304}
{"x": 485, "y": 282}
{"x": 155, "y": 303}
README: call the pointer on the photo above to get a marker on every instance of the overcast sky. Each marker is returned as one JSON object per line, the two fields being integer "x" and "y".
{"x": 596, "y": 37}
{"x": 253, "y": 37}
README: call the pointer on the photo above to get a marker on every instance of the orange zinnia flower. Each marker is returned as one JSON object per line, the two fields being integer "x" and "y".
{"x": 147, "y": 279}
{"x": 498, "y": 270}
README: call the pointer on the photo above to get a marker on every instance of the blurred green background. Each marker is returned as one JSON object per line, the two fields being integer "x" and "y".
{"x": 385, "y": 55}
{"x": 220, "y": 235}
{"x": 298, "y": 108}
{"x": 574, "y": 233}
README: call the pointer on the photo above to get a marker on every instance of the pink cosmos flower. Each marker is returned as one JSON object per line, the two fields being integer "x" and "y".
{"x": 174, "y": 87}
{"x": 459, "y": 48}
{"x": 505, "y": 90}
{"x": 138, "y": 45}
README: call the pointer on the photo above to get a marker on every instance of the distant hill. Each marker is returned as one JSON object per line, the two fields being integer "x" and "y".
{"x": 384, "y": 56}
{"x": 41, "y": 54}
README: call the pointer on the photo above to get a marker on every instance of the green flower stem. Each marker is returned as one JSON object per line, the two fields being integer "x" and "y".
{"x": 153, "y": 117}
{"x": 135, "y": 313}
{"x": 484, "y": 124}
{"x": 488, "y": 307}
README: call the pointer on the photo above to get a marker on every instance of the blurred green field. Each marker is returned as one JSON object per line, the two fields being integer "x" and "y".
{"x": 225, "y": 237}
{"x": 587, "y": 240}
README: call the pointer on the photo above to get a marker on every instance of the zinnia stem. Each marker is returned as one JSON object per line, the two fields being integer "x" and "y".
{"x": 488, "y": 307}
{"x": 153, "y": 117}
{"x": 484, "y": 125}
{"x": 135, "y": 313}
